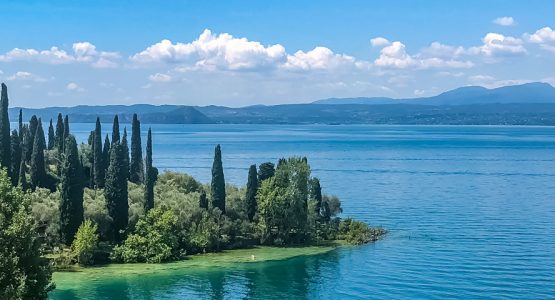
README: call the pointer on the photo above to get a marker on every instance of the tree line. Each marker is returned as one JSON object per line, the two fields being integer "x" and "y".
{"x": 105, "y": 202}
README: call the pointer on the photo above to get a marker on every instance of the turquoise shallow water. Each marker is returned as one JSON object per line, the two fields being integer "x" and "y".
{"x": 471, "y": 212}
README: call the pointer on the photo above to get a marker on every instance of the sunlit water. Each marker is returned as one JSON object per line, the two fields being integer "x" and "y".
{"x": 471, "y": 212}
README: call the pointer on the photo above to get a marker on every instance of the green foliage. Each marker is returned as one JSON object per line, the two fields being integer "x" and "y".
{"x": 66, "y": 129}
{"x": 15, "y": 161}
{"x": 59, "y": 140}
{"x": 38, "y": 169}
{"x": 283, "y": 203}
{"x": 136, "y": 170}
{"x": 22, "y": 180}
{"x": 51, "y": 136}
{"x": 86, "y": 241}
{"x": 116, "y": 192}
{"x": 125, "y": 154}
{"x": 5, "y": 144}
{"x": 45, "y": 209}
{"x": 153, "y": 241}
{"x": 106, "y": 154}
{"x": 24, "y": 273}
{"x": 71, "y": 205}
{"x": 252, "y": 188}
{"x": 95, "y": 209}
{"x": 115, "y": 131}
{"x": 218, "y": 181}
{"x": 151, "y": 174}
{"x": 316, "y": 194}
{"x": 99, "y": 171}
{"x": 357, "y": 232}
{"x": 265, "y": 171}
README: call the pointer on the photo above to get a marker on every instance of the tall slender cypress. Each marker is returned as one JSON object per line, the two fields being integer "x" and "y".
{"x": 136, "y": 170}
{"x": 316, "y": 194}
{"x": 106, "y": 154}
{"x": 38, "y": 170}
{"x": 203, "y": 201}
{"x": 71, "y": 204}
{"x": 60, "y": 133}
{"x": 151, "y": 174}
{"x": 20, "y": 122}
{"x": 51, "y": 136}
{"x": 5, "y": 144}
{"x": 115, "y": 130}
{"x": 250, "y": 197}
{"x": 27, "y": 145}
{"x": 99, "y": 169}
{"x": 218, "y": 182}
{"x": 116, "y": 194}
{"x": 66, "y": 128}
{"x": 125, "y": 154}
{"x": 16, "y": 157}
{"x": 22, "y": 181}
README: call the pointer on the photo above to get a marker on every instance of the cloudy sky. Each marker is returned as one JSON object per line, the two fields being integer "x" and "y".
{"x": 240, "y": 53}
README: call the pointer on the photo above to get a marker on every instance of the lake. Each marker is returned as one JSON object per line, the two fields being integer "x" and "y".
{"x": 470, "y": 210}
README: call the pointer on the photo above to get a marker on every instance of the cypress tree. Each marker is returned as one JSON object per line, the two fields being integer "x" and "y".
{"x": 20, "y": 122}
{"x": 38, "y": 170}
{"x": 203, "y": 201}
{"x": 27, "y": 145}
{"x": 5, "y": 144}
{"x": 66, "y": 128}
{"x": 22, "y": 182}
{"x": 51, "y": 136}
{"x": 30, "y": 143}
{"x": 106, "y": 154}
{"x": 265, "y": 171}
{"x": 115, "y": 130}
{"x": 218, "y": 182}
{"x": 71, "y": 204}
{"x": 42, "y": 138}
{"x": 116, "y": 194}
{"x": 125, "y": 157}
{"x": 60, "y": 133}
{"x": 99, "y": 169}
{"x": 316, "y": 194}
{"x": 250, "y": 197}
{"x": 16, "y": 157}
{"x": 136, "y": 171}
{"x": 151, "y": 174}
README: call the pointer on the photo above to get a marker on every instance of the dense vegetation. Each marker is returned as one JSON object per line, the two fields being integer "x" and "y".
{"x": 96, "y": 203}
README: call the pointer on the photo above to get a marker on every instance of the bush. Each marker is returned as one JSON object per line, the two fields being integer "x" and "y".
{"x": 357, "y": 232}
{"x": 85, "y": 242}
{"x": 153, "y": 241}
{"x": 46, "y": 213}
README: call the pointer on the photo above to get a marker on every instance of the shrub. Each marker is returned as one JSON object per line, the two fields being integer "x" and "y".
{"x": 357, "y": 232}
{"x": 153, "y": 241}
{"x": 85, "y": 242}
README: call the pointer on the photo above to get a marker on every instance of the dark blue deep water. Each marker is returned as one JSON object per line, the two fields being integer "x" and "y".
{"x": 470, "y": 210}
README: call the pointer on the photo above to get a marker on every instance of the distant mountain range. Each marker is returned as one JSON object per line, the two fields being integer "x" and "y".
{"x": 527, "y": 104}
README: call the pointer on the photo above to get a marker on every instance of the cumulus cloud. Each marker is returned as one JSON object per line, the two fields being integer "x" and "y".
{"x": 82, "y": 52}
{"x": 319, "y": 58}
{"x": 74, "y": 87}
{"x": 379, "y": 42}
{"x": 495, "y": 44}
{"x": 159, "y": 77}
{"x": 504, "y": 21}
{"x": 545, "y": 37}
{"x": 213, "y": 51}
{"x": 395, "y": 56}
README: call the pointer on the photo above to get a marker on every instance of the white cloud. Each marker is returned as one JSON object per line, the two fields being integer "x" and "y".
{"x": 319, "y": 58}
{"x": 159, "y": 77}
{"x": 504, "y": 21}
{"x": 26, "y": 76}
{"x": 210, "y": 51}
{"x": 395, "y": 56}
{"x": 437, "y": 49}
{"x": 379, "y": 42}
{"x": 72, "y": 86}
{"x": 545, "y": 37}
{"x": 82, "y": 52}
{"x": 497, "y": 44}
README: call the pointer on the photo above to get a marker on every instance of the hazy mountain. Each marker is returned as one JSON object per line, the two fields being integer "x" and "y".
{"x": 527, "y": 104}
{"x": 535, "y": 92}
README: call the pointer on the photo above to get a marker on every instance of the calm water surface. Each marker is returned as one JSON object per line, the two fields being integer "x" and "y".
{"x": 471, "y": 212}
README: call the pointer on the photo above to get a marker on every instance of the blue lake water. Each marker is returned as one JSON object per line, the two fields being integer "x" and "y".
{"x": 471, "y": 211}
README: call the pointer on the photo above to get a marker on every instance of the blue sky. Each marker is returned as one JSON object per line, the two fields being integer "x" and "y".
{"x": 238, "y": 53}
